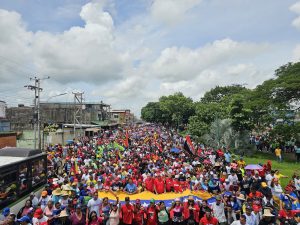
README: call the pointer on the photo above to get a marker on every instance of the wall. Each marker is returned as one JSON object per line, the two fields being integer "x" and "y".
{"x": 8, "y": 140}
{"x": 26, "y": 140}
{"x": 61, "y": 137}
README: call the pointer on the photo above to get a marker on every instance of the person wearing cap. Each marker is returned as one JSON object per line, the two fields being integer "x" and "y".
{"x": 264, "y": 189}
{"x": 39, "y": 218}
{"x": 24, "y": 220}
{"x": 139, "y": 213}
{"x": 208, "y": 219}
{"x": 241, "y": 221}
{"x": 127, "y": 212}
{"x": 191, "y": 211}
{"x": 4, "y": 214}
{"x": 268, "y": 217}
{"x": 288, "y": 197}
{"x": 64, "y": 200}
{"x": 151, "y": 213}
{"x": 250, "y": 218}
{"x": 218, "y": 208}
{"x": 44, "y": 199}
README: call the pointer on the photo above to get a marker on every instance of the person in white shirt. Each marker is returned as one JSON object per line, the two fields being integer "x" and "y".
{"x": 250, "y": 218}
{"x": 269, "y": 178}
{"x": 218, "y": 210}
{"x": 94, "y": 205}
{"x": 34, "y": 200}
{"x": 242, "y": 221}
{"x": 233, "y": 178}
{"x": 85, "y": 176}
{"x": 39, "y": 218}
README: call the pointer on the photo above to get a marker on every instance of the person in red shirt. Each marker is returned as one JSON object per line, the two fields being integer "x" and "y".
{"x": 208, "y": 219}
{"x": 149, "y": 183}
{"x": 191, "y": 210}
{"x": 126, "y": 213}
{"x": 177, "y": 185}
{"x": 169, "y": 183}
{"x": 139, "y": 213}
{"x": 159, "y": 185}
{"x": 152, "y": 213}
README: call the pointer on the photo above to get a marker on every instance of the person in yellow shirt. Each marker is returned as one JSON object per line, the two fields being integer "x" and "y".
{"x": 278, "y": 154}
{"x": 241, "y": 162}
{"x": 278, "y": 175}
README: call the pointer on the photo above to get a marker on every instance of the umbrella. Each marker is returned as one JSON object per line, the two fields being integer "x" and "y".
{"x": 175, "y": 150}
{"x": 253, "y": 167}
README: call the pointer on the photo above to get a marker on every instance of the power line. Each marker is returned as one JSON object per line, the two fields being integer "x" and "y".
{"x": 36, "y": 116}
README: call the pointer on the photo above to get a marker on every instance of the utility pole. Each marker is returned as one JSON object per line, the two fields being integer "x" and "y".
{"x": 36, "y": 115}
{"x": 78, "y": 107}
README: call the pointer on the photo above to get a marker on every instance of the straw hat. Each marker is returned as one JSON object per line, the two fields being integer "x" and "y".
{"x": 64, "y": 193}
{"x": 63, "y": 214}
{"x": 267, "y": 212}
{"x": 67, "y": 187}
{"x": 241, "y": 197}
{"x": 57, "y": 191}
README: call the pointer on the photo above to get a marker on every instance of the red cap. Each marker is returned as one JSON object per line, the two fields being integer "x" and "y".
{"x": 38, "y": 213}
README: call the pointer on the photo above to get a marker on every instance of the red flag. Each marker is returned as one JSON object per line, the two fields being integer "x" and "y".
{"x": 126, "y": 143}
{"x": 190, "y": 144}
{"x": 158, "y": 146}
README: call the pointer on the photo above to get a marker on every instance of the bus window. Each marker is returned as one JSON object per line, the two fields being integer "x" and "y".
{"x": 8, "y": 186}
{"x": 38, "y": 171}
{"x": 23, "y": 177}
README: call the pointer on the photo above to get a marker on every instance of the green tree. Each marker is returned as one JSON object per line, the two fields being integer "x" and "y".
{"x": 240, "y": 115}
{"x": 219, "y": 93}
{"x": 176, "y": 109}
{"x": 205, "y": 114}
{"x": 152, "y": 113}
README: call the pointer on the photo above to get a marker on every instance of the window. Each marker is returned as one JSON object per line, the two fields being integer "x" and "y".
{"x": 23, "y": 177}
{"x": 38, "y": 172}
{"x": 8, "y": 186}
{"x": 116, "y": 116}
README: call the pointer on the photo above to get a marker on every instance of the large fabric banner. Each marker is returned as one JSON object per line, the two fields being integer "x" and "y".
{"x": 168, "y": 198}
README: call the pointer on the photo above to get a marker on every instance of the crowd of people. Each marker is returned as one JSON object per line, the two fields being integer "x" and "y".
{"x": 152, "y": 158}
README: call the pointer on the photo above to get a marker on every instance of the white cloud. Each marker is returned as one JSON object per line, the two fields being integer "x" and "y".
{"x": 184, "y": 64}
{"x": 296, "y": 8}
{"x": 81, "y": 53}
{"x": 15, "y": 47}
{"x": 170, "y": 12}
{"x": 297, "y": 53}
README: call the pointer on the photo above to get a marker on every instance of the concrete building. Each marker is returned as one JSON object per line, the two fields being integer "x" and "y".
{"x": 2, "y": 109}
{"x": 21, "y": 117}
{"x": 122, "y": 116}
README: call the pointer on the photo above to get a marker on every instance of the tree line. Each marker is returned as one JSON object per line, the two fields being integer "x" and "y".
{"x": 271, "y": 107}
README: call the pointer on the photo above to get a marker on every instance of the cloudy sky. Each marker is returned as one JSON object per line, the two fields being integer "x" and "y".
{"x": 130, "y": 52}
